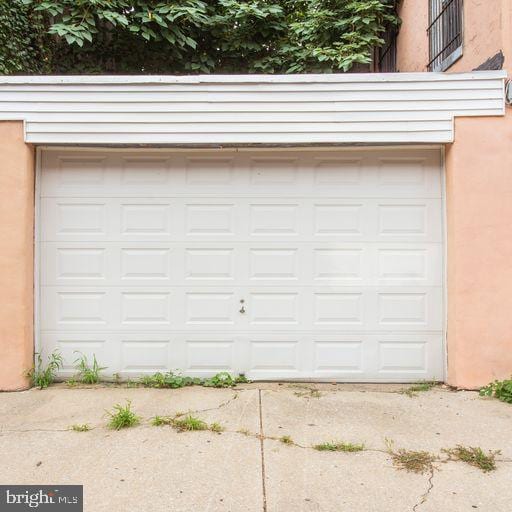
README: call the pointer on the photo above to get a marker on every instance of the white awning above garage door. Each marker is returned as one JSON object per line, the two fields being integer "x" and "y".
{"x": 279, "y": 264}
{"x": 249, "y": 109}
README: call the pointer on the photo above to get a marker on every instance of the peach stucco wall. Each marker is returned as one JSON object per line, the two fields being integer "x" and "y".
{"x": 487, "y": 30}
{"x": 479, "y": 267}
{"x": 16, "y": 256}
{"x": 484, "y": 32}
{"x": 412, "y": 43}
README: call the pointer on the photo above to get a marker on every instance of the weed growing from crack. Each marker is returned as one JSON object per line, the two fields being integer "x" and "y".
{"x": 224, "y": 380}
{"x": 474, "y": 456}
{"x": 189, "y": 423}
{"x": 286, "y": 440}
{"x": 167, "y": 380}
{"x": 175, "y": 380}
{"x": 42, "y": 376}
{"x": 122, "y": 417}
{"x": 80, "y": 428}
{"x": 500, "y": 389}
{"x": 88, "y": 374}
{"x": 339, "y": 447}
{"x": 306, "y": 391}
{"x": 419, "y": 387}
{"x": 158, "y": 421}
{"x": 413, "y": 461}
{"x": 186, "y": 424}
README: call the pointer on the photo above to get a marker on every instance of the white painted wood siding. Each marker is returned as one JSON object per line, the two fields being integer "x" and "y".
{"x": 252, "y": 109}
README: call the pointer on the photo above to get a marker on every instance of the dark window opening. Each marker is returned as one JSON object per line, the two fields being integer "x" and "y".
{"x": 386, "y": 54}
{"x": 444, "y": 33}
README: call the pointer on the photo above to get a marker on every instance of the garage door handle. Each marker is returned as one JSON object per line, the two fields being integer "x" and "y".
{"x": 242, "y": 309}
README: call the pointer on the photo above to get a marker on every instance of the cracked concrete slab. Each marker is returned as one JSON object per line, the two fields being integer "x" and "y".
{"x": 144, "y": 468}
{"x": 157, "y": 468}
{"x": 430, "y": 421}
{"x": 59, "y": 407}
{"x": 307, "y": 480}
{"x": 458, "y": 487}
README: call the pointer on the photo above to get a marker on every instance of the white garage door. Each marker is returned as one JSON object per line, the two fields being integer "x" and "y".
{"x": 278, "y": 264}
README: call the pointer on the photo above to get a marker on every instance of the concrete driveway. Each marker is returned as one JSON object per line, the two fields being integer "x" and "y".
{"x": 247, "y": 467}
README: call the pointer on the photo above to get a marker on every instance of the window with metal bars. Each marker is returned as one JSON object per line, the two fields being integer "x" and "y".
{"x": 444, "y": 33}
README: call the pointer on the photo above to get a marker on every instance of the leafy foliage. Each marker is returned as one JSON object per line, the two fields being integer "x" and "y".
{"x": 223, "y": 380}
{"x": 175, "y": 380}
{"x": 500, "y": 389}
{"x": 207, "y": 36}
{"x": 22, "y": 32}
{"x": 42, "y": 376}
{"x": 168, "y": 380}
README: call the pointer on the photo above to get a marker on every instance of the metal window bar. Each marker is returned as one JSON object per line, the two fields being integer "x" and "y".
{"x": 444, "y": 31}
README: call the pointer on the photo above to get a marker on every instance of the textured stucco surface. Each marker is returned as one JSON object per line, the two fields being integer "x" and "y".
{"x": 479, "y": 232}
{"x": 412, "y": 44}
{"x": 16, "y": 256}
{"x": 487, "y": 30}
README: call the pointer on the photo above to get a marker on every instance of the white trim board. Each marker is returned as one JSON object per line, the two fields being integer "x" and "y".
{"x": 396, "y": 108}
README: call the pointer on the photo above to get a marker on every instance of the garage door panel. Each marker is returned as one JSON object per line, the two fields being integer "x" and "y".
{"x": 393, "y": 357}
{"x": 360, "y": 264}
{"x": 407, "y": 264}
{"x": 217, "y": 308}
{"x": 409, "y": 354}
{"x": 279, "y": 264}
{"x": 372, "y": 309}
{"x": 95, "y": 308}
{"x": 66, "y": 174}
{"x": 338, "y": 355}
{"x": 408, "y": 175}
{"x": 401, "y": 308}
{"x": 361, "y": 174}
{"x": 74, "y": 219}
{"x": 417, "y": 220}
{"x": 209, "y": 353}
{"x": 384, "y": 220}
{"x": 71, "y": 344}
{"x": 84, "y": 263}
{"x": 274, "y": 355}
{"x": 210, "y": 264}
